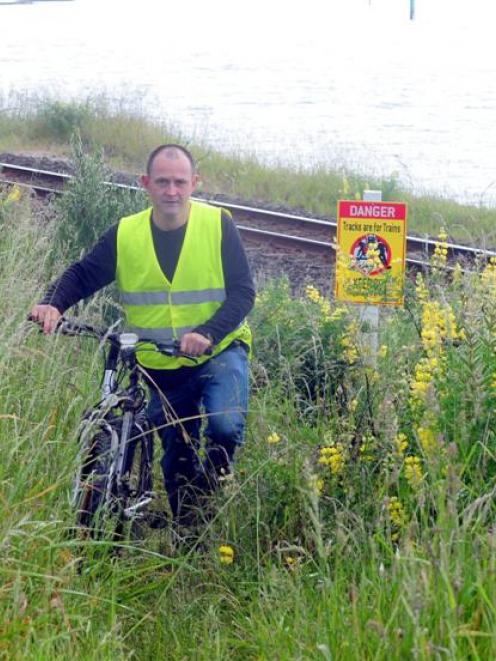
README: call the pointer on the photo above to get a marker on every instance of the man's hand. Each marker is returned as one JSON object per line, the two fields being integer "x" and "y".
{"x": 46, "y": 316}
{"x": 195, "y": 344}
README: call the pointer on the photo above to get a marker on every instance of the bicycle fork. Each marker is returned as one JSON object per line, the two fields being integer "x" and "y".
{"x": 120, "y": 466}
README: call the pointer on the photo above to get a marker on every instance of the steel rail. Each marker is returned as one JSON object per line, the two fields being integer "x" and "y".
{"x": 423, "y": 245}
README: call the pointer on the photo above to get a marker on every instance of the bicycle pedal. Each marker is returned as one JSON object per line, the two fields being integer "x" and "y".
{"x": 131, "y": 512}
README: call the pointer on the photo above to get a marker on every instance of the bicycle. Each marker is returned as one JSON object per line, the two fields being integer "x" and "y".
{"x": 113, "y": 483}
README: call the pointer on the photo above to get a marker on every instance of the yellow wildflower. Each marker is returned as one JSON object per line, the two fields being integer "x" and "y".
{"x": 413, "y": 471}
{"x": 15, "y": 194}
{"x": 333, "y": 457}
{"x": 292, "y": 562}
{"x": 313, "y": 293}
{"x": 382, "y": 352}
{"x": 440, "y": 256}
{"x": 401, "y": 443}
{"x": 273, "y": 438}
{"x": 427, "y": 438}
{"x": 350, "y": 351}
{"x": 226, "y": 554}
{"x": 396, "y": 512}
{"x": 316, "y": 484}
{"x": 337, "y": 313}
{"x": 457, "y": 274}
{"x": 425, "y": 370}
{"x": 316, "y": 297}
{"x": 325, "y": 308}
{"x": 488, "y": 277}
{"x": 421, "y": 289}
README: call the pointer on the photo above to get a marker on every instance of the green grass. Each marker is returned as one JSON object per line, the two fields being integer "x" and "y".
{"x": 126, "y": 136}
{"x": 324, "y": 565}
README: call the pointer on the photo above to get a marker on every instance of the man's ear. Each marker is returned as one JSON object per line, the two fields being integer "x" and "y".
{"x": 195, "y": 181}
{"x": 144, "y": 180}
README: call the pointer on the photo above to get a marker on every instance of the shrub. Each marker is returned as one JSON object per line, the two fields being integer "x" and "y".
{"x": 57, "y": 120}
{"x": 90, "y": 206}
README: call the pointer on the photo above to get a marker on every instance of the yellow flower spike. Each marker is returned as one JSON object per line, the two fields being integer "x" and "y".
{"x": 421, "y": 289}
{"x": 226, "y": 554}
{"x": 427, "y": 438}
{"x": 273, "y": 438}
{"x": 338, "y": 312}
{"x": 457, "y": 274}
{"x": 382, "y": 352}
{"x": 401, "y": 443}
{"x": 313, "y": 294}
{"x": 396, "y": 512}
{"x": 15, "y": 194}
{"x": 350, "y": 351}
{"x": 413, "y": 471}
{"x": 316, "y": 484}
{"x": 333, "y": 457}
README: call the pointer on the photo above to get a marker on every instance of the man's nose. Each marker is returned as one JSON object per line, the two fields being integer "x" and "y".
{"x": 171, "y": 188}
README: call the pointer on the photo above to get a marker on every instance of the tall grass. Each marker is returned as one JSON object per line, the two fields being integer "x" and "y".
{"x": 361, "y": 512}
{"x": 125, "y": 135}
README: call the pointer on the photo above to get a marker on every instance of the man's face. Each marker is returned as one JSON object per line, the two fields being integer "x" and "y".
{"x": 170, "y": 185}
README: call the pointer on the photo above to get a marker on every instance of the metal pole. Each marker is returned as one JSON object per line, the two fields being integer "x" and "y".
{"x": 412, "y": 9}
{"x": 369, "y": 314}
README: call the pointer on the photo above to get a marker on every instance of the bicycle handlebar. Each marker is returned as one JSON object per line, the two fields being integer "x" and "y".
{"x": 66, "y": 326}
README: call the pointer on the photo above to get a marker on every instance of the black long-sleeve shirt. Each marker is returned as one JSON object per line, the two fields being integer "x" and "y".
{"x": 98, "y": 269}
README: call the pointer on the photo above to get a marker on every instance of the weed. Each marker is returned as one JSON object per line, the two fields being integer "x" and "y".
{"x": 90, "y": 206}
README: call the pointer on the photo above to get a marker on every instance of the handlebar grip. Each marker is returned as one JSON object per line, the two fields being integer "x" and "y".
{"x": 39, "y": 322}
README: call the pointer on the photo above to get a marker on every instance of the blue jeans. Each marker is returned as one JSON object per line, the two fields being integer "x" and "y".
{"x": 213, "y": 400}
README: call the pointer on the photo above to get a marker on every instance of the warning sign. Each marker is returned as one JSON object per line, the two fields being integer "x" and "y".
{"x": 370, "y": 264}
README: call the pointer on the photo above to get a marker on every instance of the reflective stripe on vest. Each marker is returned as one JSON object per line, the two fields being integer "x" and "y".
{"x": 160, "y": 310}
{"x": 176, "y": 298}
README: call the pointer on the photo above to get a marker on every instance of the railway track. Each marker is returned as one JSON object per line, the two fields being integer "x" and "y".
{"x": 278, "y": 229}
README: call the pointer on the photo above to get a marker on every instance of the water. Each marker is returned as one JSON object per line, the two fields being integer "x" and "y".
{"x": 344, "y": 82}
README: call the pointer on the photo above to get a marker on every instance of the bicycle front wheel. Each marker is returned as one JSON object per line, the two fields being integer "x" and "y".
{"x": 96, "y": 493}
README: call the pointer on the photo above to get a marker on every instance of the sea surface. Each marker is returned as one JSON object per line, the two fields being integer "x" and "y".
{"x": 350, "y": 83}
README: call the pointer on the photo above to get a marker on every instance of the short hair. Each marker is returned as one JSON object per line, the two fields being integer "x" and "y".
{"x": 170, "y": 146}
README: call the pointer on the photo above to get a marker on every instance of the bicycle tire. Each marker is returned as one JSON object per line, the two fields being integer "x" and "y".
{"x": 101, "y": 503}
{"x": 97, "y": 501}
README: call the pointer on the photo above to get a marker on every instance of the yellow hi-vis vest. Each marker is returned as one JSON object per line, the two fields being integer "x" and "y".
{"x": 160, "y": 310}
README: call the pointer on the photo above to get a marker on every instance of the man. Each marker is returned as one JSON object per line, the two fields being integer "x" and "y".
{"x": 182, "y": 272}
